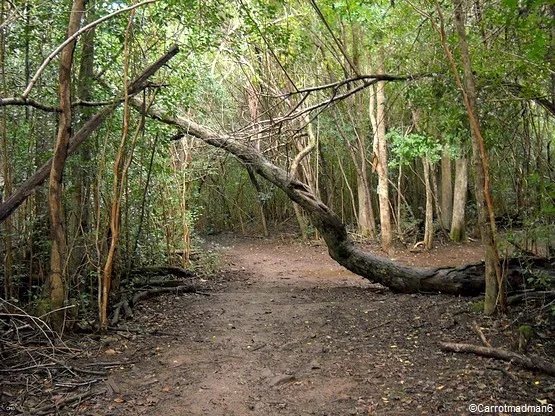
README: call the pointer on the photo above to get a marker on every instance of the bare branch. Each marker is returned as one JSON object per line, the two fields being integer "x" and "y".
{"x": 343, "y": 82}
{"x": 20, "y": 101}
{"x": 295, "y": 112}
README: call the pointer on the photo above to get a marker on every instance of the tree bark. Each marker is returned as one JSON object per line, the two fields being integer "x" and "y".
{"x": 466, "y": 280}
{"x": 382, "y": 168}
{"x": 458, "y": 223}
{"x": 56, "y": 280}
{"x": 261, "y": 201}
{"x": 365, "y": 217}
{"x": 6, "y": 177}
{"x": 366, "y": 220}
{"x": 366, "y": 223}
{"x": 429, "y": 219}
{"x": 121, "y": 164}
{"x": 253, "y": 109}
{"x": 79, "y": 222}
{"x": 446, "y": 190}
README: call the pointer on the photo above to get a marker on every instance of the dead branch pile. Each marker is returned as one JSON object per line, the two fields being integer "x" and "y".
{"x": 38, "y": 370}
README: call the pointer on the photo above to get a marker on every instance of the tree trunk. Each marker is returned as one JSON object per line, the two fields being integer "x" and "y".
{"x": 399, "y": 202}
{"x": 364, "y": 213}
{"x": 6, "y": 178}
{"x": 146, "y": 192}
{"x": 253, "y": 109}
{"x": 261, "y": 201}
{"x": 185, "y": 195}
{"x": 466, "y": 280}
{"x": 458, "y": 222}
{"x": 366, "y": 221}
{"x": 80, "y": 220}
{"x": 382, "y": 168}
{"x": 121, "y": 164}
{"x": 429, "y": 219}
{"x": 495, "y": 290}
{"x": 300, "y": 168}
{"x": 56, "y": 281}
{"x": 446, "y": 190}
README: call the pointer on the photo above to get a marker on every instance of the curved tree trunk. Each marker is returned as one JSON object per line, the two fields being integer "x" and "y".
{"x": 466, "y": 280}
{"x": 495, "y": 285}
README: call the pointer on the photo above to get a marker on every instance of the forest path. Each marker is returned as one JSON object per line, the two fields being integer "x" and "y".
{"x": 293, "y": 333}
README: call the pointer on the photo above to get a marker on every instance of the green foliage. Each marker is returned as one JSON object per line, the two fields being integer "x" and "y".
{"x": 540, "y": 281}
{"x": 478, "y": 306}
{"x": 406, "y": 147}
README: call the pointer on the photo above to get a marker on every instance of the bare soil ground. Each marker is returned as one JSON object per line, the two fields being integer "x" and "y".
{"x": 284, "y": 330}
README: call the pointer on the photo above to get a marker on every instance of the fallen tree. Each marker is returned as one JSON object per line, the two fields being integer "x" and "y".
{"x": 465, "y": 280}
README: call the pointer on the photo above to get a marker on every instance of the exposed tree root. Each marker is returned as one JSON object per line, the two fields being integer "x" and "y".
{"x": 147, "y": 282}
{"x": 124, "y": 308}
{"x": 162, "y": 271}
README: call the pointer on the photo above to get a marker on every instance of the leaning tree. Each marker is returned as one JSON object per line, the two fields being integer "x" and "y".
{"x": 465, "y": 280}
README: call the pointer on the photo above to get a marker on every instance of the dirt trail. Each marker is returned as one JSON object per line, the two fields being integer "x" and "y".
{"x": 293, "y": 333}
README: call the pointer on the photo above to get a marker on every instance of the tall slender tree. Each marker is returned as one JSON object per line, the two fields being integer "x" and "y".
{"x": 495, "y": 287}
{"x": 380, "y": 155}
{"x": 56, "y": 282}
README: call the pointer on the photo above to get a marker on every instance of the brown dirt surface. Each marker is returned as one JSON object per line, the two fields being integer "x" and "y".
{"x": 284, "y": 330}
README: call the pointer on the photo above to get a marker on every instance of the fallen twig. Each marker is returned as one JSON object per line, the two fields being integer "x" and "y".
{"x": 481, "y": 335}
{"x": 110, "y": 364}
{"x": 546, "y": 295}
{"x": 529, "y": 362}
{"x": 378, "y": 326}
{"x": 163, "y": 270}
{"x": 75, "y": 385}
{"x": 259, "y": 347}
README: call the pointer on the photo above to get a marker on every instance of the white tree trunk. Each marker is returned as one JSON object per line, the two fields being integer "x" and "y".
{"x": 446, "y": 190}
{"x": 429, "y": 221}
{"x": 458, "y": 228}
{"x": 380, "y": 152}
